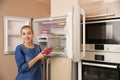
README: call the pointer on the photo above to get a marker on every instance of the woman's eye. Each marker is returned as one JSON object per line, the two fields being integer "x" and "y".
{"x": 23, "y": 33}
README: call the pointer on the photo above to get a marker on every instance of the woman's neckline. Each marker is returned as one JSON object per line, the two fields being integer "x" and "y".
{"x": 28, "y": 47}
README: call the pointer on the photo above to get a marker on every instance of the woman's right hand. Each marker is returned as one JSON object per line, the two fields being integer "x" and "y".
{"x": 34, "y": 60}
{"x": 41, "y": 55}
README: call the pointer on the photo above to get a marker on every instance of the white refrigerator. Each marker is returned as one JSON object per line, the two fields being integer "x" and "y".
{"x": 65, "y": 34}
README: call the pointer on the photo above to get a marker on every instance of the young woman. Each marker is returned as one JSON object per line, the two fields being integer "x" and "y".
{"x": 28, "y": 56}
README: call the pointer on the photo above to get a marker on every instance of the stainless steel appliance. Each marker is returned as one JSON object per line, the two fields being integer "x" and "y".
{"x": 103, "y": 35}
{"x": 103, "y": 40}
{"x": 102, "y": 59}
{"x": 93, "y": 70}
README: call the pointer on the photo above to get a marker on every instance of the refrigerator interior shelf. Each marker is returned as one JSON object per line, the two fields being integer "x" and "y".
{"x": 45, "y": 38}
{"x": 57, "y": 52}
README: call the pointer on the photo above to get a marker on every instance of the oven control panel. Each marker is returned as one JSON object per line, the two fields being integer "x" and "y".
{"x": 105, "y": 47}
{"x": 99, "y": 57}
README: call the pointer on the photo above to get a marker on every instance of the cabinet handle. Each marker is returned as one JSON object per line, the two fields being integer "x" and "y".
{"x": 102, "y": 15}
{"x": 43, "y": 71}
{"x": 100, "y": 65}
{"x": 47, "y": 69}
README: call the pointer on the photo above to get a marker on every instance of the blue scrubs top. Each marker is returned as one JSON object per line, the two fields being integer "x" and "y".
{"x": 22, "y": 56}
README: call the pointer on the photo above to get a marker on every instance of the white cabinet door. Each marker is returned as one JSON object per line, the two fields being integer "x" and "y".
{"x": 12, "y": 26}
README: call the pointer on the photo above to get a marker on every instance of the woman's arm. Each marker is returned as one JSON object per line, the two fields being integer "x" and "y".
{"x": 34, "y": 60}
{"x": 20, "y": 60}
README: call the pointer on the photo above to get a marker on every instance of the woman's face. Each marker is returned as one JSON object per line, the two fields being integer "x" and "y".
{"x": 27, "y": 35}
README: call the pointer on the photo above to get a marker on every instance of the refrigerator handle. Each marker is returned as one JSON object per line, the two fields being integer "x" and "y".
{"x": 43, "y": 71}
{"x": 48, "y": 69}
{"x": 82, "y": 12}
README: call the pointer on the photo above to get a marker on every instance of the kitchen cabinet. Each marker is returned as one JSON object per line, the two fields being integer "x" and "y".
{"x": 113, "y": 7}
{"x": 93, "y": 8}
{"x": 101, "y": 9}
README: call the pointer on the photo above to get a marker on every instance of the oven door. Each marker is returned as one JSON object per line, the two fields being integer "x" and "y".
{"x": 100, "y": 71}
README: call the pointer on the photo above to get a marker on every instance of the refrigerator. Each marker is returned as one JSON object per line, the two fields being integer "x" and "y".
{"x": 65, "y": 34}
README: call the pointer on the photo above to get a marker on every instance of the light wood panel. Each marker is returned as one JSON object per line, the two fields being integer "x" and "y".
{"x": 61, "y": 7}
{"x": 60, "y": 69}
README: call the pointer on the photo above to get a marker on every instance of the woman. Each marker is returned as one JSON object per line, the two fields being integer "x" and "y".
{"x": 28, "y": 56}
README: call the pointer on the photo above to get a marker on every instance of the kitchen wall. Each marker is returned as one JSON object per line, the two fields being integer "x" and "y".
{"x": 23, "y": 8}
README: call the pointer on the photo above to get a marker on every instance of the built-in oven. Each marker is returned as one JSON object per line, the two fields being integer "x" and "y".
{"x": 103, "y": 40}
{"x": 102, "y": 58}
{"x": 92, "y": 70}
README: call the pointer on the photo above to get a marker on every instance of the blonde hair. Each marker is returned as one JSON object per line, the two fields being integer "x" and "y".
{"x": 26, "y": 26}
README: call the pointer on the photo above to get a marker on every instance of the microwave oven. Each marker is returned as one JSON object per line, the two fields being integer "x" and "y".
{"x": 103, "y": 35}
